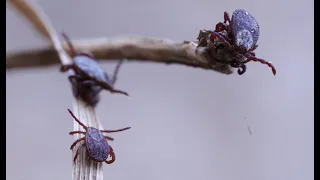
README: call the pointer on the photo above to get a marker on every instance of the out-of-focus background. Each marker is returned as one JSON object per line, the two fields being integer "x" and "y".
{"x": 186, "y": 123}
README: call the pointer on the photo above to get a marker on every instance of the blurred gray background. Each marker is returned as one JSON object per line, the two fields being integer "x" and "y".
{"x": 186, "y": 123}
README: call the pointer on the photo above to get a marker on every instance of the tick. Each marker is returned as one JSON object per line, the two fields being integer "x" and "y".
{"x": 96, "y": 143}
{"x": 235, "y": 40}
{"x": 88, "y": 71}
{"x": 89, "y": 93}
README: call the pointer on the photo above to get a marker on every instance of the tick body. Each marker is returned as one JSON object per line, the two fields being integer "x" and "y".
{"x": 244, "y": 29}
{"x": 89, "y": 93}
{"x": 89, "y": 73}
{"x": 233, "y": 42}
{"x": 95, "y": 142}
{"x": 97, "y": 146}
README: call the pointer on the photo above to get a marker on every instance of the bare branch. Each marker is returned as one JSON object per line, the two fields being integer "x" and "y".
{"x": 83, "y": 168}
{"x": 131, "y": 48}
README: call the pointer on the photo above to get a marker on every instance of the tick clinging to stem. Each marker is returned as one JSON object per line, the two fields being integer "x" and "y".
{"x": 234, "y": 40}
{"x": 89, "y": 93}
{"x": 88, "y": 71}
{"x": 96, "y": 143}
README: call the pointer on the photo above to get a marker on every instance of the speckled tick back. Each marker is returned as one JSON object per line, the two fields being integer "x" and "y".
{"x": 234, "y": 40}
{"x": 89, "y": 73}
{"x": 96, "y": 143}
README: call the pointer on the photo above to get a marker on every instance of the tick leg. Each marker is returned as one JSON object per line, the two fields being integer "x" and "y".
{"x": 108, "y": 87}
{"x": 64, "y": 68}
{"x": 254, "y": 47}
{"x": 119, "y": 92}
{"x": 78, "y": 152}
{"x": 226, "y": 17}
{"x": 80, "y": 79}
{"x": 88, "y": 82}
{"x": 251, "y": 54}
{"x": 242, "y": 69}
{"x": 221, "y": 27}
{"x": 77, "y": 132}
{"x": 76, "y": 119}
{"x": 118, "y": 130}
{"x": 77, "y": 78}
{"x": 263, "y": 62}
{"x": 109, "y": 138}
{"x": 116, "y": 71}
{"x": 112, "y": 155}
{"x": 68, "y": 41}
{"x": 73, "y": 144}
{"x": 216, "y": 35}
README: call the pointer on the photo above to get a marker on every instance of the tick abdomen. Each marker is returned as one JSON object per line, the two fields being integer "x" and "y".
{"x": 90, "y": 66}
{"x": 245, "y": 29}
{"x": 97, "y": 145}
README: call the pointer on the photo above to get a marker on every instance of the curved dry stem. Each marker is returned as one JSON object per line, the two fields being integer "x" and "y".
{"x": 131, "y": 48}
{"x": 85, "y": 168}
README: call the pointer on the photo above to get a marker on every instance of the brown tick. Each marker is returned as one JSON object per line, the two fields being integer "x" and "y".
{"x": 88, "y": 71}
{"x": 96, "y": 143}
{"x": 234, "y": 41}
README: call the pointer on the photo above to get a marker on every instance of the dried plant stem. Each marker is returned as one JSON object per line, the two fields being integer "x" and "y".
{"x": 84, "y": 168}
{"x": 131, "y": 48}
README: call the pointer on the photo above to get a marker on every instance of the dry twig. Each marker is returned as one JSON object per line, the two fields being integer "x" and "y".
{"x": 84, "y": 168}
{"x": 131, "y": 48}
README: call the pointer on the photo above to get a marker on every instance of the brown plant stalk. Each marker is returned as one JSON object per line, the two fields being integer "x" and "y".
{"x": 131, "y": 48}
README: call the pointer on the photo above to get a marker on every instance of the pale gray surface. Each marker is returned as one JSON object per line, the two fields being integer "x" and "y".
{"x": 187, "y": 124}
